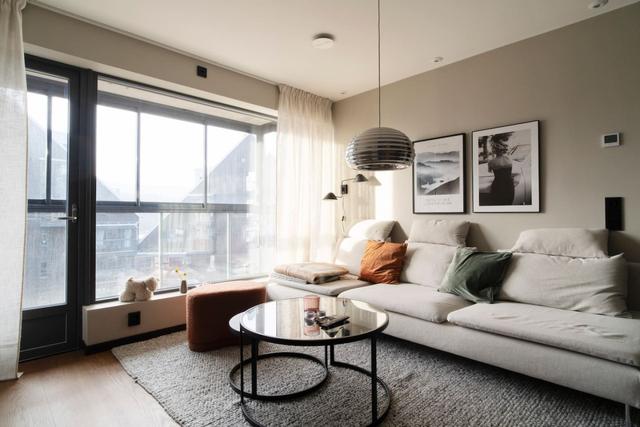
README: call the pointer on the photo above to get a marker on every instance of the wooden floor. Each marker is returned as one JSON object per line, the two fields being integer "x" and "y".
{"x": 77, "y": 390}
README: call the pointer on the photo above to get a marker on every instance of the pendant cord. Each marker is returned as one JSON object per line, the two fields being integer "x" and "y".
{"x": 379, "y": 97}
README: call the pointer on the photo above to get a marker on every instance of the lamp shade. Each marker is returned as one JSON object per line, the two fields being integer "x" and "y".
{"x": 380, "y": 149}
{"x": 360, "y": 178}
{"x": 330, "y": 196}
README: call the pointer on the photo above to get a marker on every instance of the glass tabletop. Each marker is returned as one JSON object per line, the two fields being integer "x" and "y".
{"x": 288, "y": 321}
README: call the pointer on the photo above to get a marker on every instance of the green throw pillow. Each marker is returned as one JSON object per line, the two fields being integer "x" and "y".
{"x": 476, "y": 276}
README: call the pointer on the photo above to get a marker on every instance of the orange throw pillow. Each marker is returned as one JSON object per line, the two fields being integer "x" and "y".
{"x": 382, "y": 262}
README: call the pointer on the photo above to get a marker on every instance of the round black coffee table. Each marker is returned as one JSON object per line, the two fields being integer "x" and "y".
{"x": 283, "y": 322}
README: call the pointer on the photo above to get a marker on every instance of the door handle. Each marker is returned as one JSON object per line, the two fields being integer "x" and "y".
{"x": 74, "y": 215}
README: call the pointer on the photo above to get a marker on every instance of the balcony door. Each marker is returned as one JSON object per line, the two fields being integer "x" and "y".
{"x": 50, "y": 299}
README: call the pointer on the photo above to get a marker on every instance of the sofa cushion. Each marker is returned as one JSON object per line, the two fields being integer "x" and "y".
{"x": 571, "y": 242}
{"x": 591, "y": 285}
{"x": 349, "y": 253}
{"x": 476, "y": 276}
{"x": 371, "y": 229}
{"x": 439, "y": 231}
{"x": 412, "y": 300}
{"x": 330, "y": 289}
{"x": 382, "y": 262}
{"x": 611, "y": 338}
{"x": 426, "y": 263}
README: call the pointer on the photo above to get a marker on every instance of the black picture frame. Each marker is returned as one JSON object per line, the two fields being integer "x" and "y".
{"x": 524, "y": 197}
{"x": 440, "y": 203}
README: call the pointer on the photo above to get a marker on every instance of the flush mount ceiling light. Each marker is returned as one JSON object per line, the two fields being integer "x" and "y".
{"x": 438, "y": 59}
{"x": 323, "y": 41}
{"x": 381, "y": 148}
{"x": 597, "y": 4}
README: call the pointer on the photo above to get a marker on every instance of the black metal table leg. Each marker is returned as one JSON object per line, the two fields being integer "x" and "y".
{"x": 332, "y": 354}
{"x": 326, "y": 357}
{"x": 241, "y": 365}
{"x": 254, "y": 367}
{"x": 374, "y": 382}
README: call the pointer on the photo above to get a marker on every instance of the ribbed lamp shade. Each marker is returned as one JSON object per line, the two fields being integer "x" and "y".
{"x": 380, "y": 149}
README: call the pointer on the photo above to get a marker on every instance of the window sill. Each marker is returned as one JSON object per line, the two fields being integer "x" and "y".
{"x": 161, "y": 295}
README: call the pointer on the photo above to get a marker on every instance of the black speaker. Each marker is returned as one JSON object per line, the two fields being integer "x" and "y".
{"x": 613, "y": 213}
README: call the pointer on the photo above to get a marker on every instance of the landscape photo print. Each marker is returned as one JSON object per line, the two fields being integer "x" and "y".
{"x": 438, "y": 175}
{"x": 506, "y": 169}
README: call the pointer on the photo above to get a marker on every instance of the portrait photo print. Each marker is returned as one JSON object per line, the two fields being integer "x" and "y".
{"x": 438, "y": 175}
{"x": 506, "y": 169}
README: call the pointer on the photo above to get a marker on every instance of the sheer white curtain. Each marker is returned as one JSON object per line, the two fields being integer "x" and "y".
{"x": 307, "y": 168}
{"x": 13, "y": 182}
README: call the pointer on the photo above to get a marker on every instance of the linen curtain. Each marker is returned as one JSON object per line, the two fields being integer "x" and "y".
{"x": 307, "y": 168}
{"x": 13, "y": 182}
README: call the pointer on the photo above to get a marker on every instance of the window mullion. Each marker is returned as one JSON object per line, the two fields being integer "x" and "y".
{"x": 138, "y": 156}
{"x": 49, "y": 148}
{"x": 206, "y": 170}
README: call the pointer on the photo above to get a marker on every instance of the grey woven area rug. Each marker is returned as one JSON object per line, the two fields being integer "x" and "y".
{"x": 429, "y": 388}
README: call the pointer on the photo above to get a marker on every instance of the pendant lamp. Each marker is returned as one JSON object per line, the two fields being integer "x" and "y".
{"x": 380, "y": 148}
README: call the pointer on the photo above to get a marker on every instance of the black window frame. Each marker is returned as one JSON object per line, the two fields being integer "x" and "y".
{"x": 142, "y": 106}
{"x": 50, "y": 89}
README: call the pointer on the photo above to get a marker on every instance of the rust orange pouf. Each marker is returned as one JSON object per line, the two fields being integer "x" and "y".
{"x": 209, "y": 308}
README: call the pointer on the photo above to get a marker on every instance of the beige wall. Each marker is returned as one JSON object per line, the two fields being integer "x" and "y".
{"x": 69, "y": 40}
{"x": 580, "y": 81}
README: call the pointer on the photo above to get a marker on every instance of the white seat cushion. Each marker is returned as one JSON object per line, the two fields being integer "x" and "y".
{"x": 412, "y": 300}
{"x": 330, "y": 289}
{"x": 606, "y": 337}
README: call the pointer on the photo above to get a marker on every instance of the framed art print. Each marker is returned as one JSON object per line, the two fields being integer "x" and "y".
{"x": 506, "y": 169}
{"x": 438, "y": 175}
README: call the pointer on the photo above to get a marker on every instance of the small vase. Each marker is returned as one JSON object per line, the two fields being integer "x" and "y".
{"x": 183, "y": 287}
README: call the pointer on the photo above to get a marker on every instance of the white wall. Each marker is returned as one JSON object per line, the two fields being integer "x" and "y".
{"x": 59, "y": 37}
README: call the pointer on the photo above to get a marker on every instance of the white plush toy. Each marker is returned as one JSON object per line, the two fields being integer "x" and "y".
{"x": 139, "y": 290}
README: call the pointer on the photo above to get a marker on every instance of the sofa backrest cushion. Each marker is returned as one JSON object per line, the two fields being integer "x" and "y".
{"x": 349, "y": 254}
{"x": 590, "y": 285}
{"x": 633, "y": 286}
{"x": 571, "y": 242}
{"x": 426, "y": 263}
{"x": 371, "y": 229}
{"x": 439, "y": 231}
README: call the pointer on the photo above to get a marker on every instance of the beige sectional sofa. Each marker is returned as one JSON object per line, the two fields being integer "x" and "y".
{"x": 593, "y": 353}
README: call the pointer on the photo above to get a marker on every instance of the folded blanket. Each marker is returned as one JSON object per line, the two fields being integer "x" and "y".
{"x": 278, "y": 277}
{"x": 312, "y": 272}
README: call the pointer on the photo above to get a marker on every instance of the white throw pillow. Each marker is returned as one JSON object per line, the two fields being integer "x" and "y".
{"x": 439, "y": 231}
{"x": 572, "y": 242}
{"x": 350, "y": 252}
{"x": 426, "y": 263}
{"x": 372, "y": 229}
{"x": 590, "y": 285}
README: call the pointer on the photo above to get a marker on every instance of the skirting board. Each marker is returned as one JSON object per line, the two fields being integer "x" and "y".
{"x": 96, "y": 348}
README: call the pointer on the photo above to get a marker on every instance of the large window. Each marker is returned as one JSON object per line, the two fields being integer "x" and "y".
{"x": 180, "y": 184}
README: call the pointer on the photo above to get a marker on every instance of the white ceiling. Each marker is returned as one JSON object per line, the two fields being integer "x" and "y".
{"x": 271, "y": 39}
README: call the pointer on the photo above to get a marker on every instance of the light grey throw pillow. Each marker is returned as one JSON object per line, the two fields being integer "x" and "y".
{"x": 572, "y": 242}
{"x": 590, "y": 285}
{"x": 372, "y": 229}
{"x": 426, "y": 263}
{"x": 439, "y": 231}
